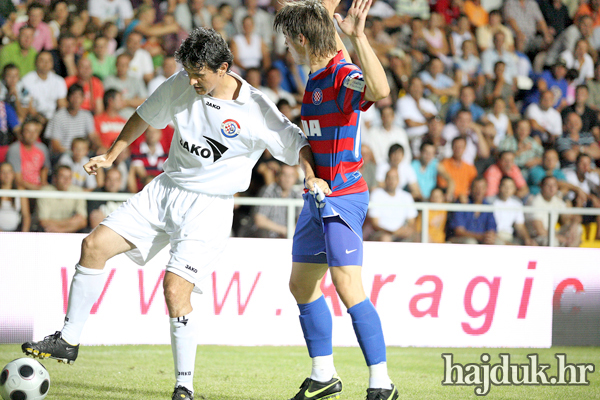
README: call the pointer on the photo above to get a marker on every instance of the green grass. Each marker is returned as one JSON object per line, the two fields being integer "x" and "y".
{"x": 265, "y": 373}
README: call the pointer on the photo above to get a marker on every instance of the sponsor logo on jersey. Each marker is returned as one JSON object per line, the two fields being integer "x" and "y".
{"x": 194, "y": 270}
{"x": 217, "y": 148}
{"x": 311, "y": 127}
{"x": 317, "y": 96}
{"x": 195, "y": 149}
{"x": 230, "y": 128}
{"x": 208, "y": 103}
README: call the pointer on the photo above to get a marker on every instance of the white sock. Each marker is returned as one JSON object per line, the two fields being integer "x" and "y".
{"x": 322, "y": 368}
{"x": 86, "y": 287}
{"x": 183, "y": 344}
{"x": 378, "y": 376}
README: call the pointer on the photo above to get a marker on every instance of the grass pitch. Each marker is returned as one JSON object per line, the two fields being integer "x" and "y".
{"x": 274, "y": 373}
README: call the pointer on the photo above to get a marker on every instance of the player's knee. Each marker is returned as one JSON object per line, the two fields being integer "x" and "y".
{"x": 300, "y": 292}
{"x": 90, "y": 246}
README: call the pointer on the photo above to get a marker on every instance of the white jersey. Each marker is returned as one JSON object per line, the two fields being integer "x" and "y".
{"x": 217, "y": 142}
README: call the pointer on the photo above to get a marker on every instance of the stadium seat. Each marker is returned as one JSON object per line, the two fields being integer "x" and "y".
{"x": 588, "y": 238}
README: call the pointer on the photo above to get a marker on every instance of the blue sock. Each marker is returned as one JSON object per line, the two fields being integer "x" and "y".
{"x": 367, "y": 326}
{"x": 317, "y": 325}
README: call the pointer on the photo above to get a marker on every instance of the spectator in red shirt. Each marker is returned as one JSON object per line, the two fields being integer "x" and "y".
{"x": 505, "y": 166}
{"x": 29, "y": 157}
{"x": 110, "y": 123}
{"x": 93, "y": 89}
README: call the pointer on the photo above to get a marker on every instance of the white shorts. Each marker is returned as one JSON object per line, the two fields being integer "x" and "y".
{"x": 196, "y": 225}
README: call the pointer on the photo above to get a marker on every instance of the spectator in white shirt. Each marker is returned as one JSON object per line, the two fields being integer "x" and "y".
{"x": 413, "y": 110}
{"x": 48, "y": 90}
{"x": 117, "y": 11}
{"x": 380, "y": 138}
{"x": 407, "y": 175}
{"x": 392, "y": 224}
{"x": 584, "y": 187}
{"x": 509, "y": 221}
{"x": 546, "y": 121}
{"x": 141, "y": 65}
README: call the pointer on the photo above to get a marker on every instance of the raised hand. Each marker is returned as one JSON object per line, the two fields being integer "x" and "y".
{"x": 354, "y": 23}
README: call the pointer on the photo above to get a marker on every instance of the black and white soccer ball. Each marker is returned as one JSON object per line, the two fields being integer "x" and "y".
{"x": 24, "y": 379}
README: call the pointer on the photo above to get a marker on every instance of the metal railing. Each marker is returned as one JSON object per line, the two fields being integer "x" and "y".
{"x": 291, "y": 204}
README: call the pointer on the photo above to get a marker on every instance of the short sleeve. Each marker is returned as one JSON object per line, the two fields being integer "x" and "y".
{"x": 13, "y": 156}
{"x": 11, "y": 116}
{"x": 350, "y": 86}
{"x": 155, "y": 110}
{"x": 282, "y": 138}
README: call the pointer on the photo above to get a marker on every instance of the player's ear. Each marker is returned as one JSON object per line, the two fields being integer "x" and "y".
{"x": 223, "y": 69}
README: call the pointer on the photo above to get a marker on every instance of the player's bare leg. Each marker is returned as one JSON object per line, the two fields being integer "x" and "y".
{"x": 87, "y": 284}
{"x": 348, "y": 284}
{"x": 178, "y": 292}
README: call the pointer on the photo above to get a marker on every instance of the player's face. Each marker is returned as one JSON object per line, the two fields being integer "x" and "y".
{"x": 204, "y": 80}
{"x": 296, "y": 50}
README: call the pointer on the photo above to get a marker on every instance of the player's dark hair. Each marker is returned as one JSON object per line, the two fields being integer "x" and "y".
{"x": 310, "y": 19}
{"x": 204, "y": 48}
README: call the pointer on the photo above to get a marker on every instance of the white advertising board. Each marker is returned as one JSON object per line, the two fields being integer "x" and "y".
{"x": 427, "y": 294}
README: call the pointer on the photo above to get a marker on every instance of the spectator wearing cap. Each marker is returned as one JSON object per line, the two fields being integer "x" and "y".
{"x": 505, "y": 166}
{"x": 546, "y": 122}
{"x": 413, "y": 110}
{"x": 43, "y": 38}
{"x": 20, "y": 52}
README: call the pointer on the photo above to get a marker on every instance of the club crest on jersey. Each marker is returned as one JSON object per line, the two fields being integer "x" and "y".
{"x": 230, "y": 128}
{"x": 317, "y": 96}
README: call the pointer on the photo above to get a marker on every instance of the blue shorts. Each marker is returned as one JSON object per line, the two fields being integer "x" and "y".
{"x": 333, "y": 234}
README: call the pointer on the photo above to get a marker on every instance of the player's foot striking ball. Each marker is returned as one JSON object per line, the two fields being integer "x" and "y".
{"x": 53, "y": 346}
{"x": 382, "y": 394}
{"x": 315, "y": 390}
{"x": 181, "y": 393}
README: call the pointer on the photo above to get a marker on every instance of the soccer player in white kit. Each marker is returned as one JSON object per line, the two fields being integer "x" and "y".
{"x": 222, "y": 126}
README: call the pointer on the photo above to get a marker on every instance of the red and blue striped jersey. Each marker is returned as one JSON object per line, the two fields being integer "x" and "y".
{"x": 331, "y": 107}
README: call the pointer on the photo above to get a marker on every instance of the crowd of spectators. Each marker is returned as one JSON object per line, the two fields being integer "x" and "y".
{"x": 492, "y": 102}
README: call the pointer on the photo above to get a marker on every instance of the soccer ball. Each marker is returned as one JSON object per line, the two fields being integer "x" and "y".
{"x": 24, "y": 379}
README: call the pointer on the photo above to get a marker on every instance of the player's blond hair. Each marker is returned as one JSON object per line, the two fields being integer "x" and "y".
{"x": 311, "y": 19}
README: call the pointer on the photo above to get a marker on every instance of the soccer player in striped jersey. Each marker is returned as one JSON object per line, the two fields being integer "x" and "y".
{"x": 329, "y": 230}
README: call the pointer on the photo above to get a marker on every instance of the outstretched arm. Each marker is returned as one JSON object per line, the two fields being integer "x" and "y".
{"x": 354, "y": 27}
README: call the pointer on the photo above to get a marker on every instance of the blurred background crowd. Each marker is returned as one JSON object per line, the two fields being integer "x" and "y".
{"x": 492, "y": 102}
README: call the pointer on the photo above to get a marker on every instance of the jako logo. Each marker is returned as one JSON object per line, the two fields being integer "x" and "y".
{"x": 208, "y": 103}
{"x": 194, "y": 270}
{"x": 217, "y": 148}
